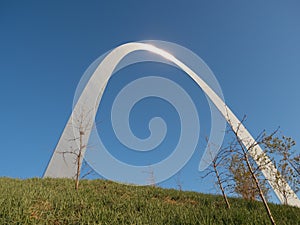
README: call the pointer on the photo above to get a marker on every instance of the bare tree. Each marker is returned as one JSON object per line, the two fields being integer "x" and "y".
{"x": 218, "y": 167}
{"x": 82, "y": 124}
{"x": 151, "y": 178}
{"x": 178, "y": 181}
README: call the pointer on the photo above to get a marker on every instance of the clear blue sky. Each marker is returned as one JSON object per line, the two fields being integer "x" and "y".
{"x": 252, "y": 47}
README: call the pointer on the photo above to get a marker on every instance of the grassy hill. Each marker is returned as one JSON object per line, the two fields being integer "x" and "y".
{"x": 54, "y": 201}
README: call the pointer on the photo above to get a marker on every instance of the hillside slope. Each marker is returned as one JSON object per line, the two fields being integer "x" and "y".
{"x": 54, "y": 201}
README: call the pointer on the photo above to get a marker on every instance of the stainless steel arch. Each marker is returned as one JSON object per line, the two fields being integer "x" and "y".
{"x": 89, "y": 100}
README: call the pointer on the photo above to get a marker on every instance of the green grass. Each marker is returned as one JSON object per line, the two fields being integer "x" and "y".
{"x": 54, "y": 201}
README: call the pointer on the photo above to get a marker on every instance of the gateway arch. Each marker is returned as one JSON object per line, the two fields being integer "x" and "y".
{"x": 62, "y": 166}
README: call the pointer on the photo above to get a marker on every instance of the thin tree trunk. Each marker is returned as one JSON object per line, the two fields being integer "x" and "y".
{"x": 261, "y": 194}
{"x": 221, "y": 186}
{"x": 77, "y": 172}
{"x": 81, "y": 133}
